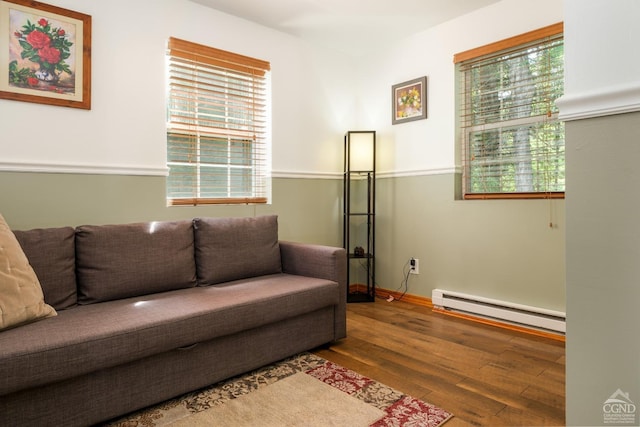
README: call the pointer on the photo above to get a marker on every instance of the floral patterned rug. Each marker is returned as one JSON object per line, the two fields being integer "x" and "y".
{"x": 397, "y": 409}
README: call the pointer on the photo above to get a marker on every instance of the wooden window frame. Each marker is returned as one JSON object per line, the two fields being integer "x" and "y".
{"x": 217, "y": 126}
{"x": 497, "y": 49}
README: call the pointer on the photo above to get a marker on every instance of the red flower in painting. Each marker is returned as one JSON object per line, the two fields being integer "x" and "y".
{"x": 32, "y": 81}
{"x": 48, "y": 46}
{"x": 38, "y": 39}
{"x": 49, "y": 54}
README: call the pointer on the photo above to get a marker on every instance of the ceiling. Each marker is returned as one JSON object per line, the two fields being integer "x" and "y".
{"x": 351, "y": 26}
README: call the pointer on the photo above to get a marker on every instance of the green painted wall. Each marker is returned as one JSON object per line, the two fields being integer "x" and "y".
{"x": 308, "y": 209}
{"x": 497, "y": 249}
{"x": 502, "y": 249}
{"x": 603, "y": 265}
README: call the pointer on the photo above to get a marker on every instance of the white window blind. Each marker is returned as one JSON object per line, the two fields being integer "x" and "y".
{"x": 512, "y": 140}
{"x": 217, "y": 131}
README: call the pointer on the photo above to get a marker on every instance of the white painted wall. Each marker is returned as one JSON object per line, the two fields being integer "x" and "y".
{"x": 603, "y": 46}
{"x": 318, "y": 95}
{"x": 312, "y": 102}
{"x": 430, "y": 145}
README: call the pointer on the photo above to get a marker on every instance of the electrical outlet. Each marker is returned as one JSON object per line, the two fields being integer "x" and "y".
{"x": 414, "y": 266}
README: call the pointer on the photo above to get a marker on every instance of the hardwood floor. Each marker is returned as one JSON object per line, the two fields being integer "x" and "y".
{"x": 484, "y": 375}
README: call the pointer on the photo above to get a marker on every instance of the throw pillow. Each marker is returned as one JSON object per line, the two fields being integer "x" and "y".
{"x": 21, "y": 297}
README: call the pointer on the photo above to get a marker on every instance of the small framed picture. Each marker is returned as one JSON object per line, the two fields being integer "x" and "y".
{"x": 409, "y": 101}
{"x": 45, "y": 54}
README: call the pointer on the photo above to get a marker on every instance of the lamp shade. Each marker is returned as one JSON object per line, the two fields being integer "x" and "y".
{"x": 361, "y": 150}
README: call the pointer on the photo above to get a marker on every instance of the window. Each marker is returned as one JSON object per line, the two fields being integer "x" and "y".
{"x": 512, "y": 140}
{"x": 217, "y": 137}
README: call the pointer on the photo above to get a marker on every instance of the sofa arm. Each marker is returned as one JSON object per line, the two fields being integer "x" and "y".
{"x": 324, "y": 262}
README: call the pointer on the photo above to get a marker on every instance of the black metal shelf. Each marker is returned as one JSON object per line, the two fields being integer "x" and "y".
{"x": 365, "y": 256}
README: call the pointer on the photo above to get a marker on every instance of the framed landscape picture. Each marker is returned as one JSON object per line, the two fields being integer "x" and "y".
{"x": 45, "y": 54}
{"x": 409, "y": 101}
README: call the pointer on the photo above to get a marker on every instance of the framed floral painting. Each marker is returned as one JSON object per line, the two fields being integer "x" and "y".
{"x": 45, "y": 54}
{"x": 409, "y": 101}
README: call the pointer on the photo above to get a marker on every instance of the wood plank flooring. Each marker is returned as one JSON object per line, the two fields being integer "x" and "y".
{"x": 484, "y": 375}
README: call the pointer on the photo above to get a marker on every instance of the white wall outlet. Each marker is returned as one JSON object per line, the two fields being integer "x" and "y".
{"x": 414, "y": 266}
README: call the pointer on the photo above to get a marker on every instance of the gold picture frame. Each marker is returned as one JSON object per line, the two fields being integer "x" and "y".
{"x": 45, "y": 54}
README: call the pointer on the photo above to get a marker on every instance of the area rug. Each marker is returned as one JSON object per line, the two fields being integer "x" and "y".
{"x": 305, "y": 390}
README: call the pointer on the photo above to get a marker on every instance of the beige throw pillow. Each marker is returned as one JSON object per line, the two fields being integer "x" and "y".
{"x": 21, "y": 297}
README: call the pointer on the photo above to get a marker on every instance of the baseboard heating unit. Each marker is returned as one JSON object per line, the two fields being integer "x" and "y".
{"x": 532, "y": 317}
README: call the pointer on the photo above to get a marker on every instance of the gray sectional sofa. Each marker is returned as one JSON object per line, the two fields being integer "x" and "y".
{"x": 149, "y": 311}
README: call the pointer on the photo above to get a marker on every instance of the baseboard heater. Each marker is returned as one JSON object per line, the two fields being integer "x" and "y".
{"x": 518, "y": 314}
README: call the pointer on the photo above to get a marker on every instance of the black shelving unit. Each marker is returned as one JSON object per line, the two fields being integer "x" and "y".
{"x": 359, "y": 216}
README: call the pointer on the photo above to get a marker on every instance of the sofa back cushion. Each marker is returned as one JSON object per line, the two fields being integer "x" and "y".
{"x": 127, "y": 260}
{"x": 51, "y": 253}
{"x": 236, "y": 248}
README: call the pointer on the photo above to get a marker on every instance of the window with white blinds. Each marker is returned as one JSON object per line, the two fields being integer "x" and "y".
{"x": 217, "y": 129}
{"x": 512, "y": 140}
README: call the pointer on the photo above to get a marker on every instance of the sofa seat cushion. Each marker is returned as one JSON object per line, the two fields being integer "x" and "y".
{"x": 127, "y": 260}
{"x": 87, "y": 338}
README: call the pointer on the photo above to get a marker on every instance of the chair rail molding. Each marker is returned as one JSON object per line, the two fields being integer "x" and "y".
{"x": 82, "y": 169}
{"x": 606, "y": 101}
